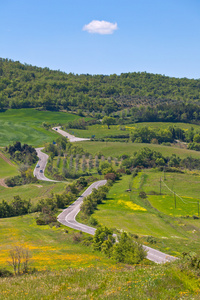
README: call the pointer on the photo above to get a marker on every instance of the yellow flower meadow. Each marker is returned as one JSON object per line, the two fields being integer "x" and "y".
{"x": 131, "y": 205}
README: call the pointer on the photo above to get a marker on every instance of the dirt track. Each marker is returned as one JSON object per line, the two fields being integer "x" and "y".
{"x": 2, "y": 183}
{"x": 6, "y": 159}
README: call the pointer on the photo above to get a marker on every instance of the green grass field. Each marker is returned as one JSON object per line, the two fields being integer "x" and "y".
{"x": 69, "y": 270}
{"x": 127, "y": 211}
{"x": 114, "y": 149}
{"x": 7, "y": 170}
{"x": 185, "y": 185}
{"x": 115, "y": 282}
{"x": 101, "y": 131}
{"x": 25, "y": 125}
{"x": 34, "y": 191}
{"x": 50, "y": 247}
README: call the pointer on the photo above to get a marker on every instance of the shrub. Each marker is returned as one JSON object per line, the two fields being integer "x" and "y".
{"x": 142, "y": 195}
{"x": 5, "y": 273}
{"x": 110, "y": 176}
{"x": 93, "y": 221}
{"x": 40, "y": 221}
{"x": 77, "y": 237}
{"x": 151, "y": 240}
{"x": 128, "y": 251}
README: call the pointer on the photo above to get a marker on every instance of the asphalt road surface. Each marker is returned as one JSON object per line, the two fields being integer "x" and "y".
{"x": 68, "y": 218}
{"x": 39, "y": 171}
{"x": 71, "y": 137}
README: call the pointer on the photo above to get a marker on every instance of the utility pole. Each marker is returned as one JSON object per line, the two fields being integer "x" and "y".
{"x": 164, "y": 173}
{"x": 160, "y": 185}
{"x": 175, "y": 199}
{"x": 198, "y": 208}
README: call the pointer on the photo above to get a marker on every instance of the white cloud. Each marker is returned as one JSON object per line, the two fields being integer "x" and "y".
{"x": 101, "y": 27}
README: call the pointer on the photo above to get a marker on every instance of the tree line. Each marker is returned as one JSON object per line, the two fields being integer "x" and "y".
{"x": 46, "y": 207}
{"x": 147, "y": 158}
{"x": 24, "y": 86}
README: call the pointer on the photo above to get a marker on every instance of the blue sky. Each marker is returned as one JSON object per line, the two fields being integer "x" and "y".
{"x": 155, "y": 36}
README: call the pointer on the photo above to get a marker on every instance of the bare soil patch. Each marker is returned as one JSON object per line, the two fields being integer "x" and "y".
{"x": 2, "y": 183}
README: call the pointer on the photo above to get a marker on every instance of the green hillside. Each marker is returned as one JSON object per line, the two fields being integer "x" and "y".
{"x": 66, "y": 269}
{"x": 7, "y": 169}
{"x": 26, "y": 126}
{"x": 23, "y": 86}
{"x": 116, "y": 149}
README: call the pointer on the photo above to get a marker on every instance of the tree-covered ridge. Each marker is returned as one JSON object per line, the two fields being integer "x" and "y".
{"x": 23, "y": 85}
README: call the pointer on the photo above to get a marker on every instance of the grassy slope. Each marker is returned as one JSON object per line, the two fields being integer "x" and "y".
{"x": 101, "y": 131}
{"x": 7, "y": 170}
{"x": 125, "y": 210}
{"x": 115, "y": 149}
{"x": 50, "y": 247}
{"x": 92, "y": 275}
{"x": 31, "y": 191}
{"x": 75, "y": 272}
{"x": 25, "y": 125}
{"x": 160, "y": 282}
{"x": 185, "y": 185}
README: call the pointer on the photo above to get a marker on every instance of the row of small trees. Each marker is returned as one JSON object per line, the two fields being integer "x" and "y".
{"x": 147, "y": 158}
{"x": 18, "y": 206}
{"x": 148, "y": 135}
{"x": 96, "y": 197}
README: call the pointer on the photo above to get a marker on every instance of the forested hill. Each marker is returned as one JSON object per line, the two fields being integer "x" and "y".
{"x": 23, "y": 86}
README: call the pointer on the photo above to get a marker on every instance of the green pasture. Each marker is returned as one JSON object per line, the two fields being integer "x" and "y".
{"x": 168, "y": 204}
{"x": 186, "y": 186}
{"x": 34, "y": 191}
{"x": 121, "y": 210}
{"x": 125, "y": 210}
{"x": 50, "y": 247}
{"x": 115, "y": 149}
{"x": 102, "y": 131}
{"x": 7, "y": 170}
{"x": 102, "y": 282}
{"x": 25, "y": 125}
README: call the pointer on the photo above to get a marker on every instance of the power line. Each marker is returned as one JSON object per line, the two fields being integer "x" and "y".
{"x": 185, "y": 202}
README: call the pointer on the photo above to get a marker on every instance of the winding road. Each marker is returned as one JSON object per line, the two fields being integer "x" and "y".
{"x": 41, "y": 165}
{"x": 68, "y": 216}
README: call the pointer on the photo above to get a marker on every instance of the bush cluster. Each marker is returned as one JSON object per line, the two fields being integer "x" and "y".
{"x": 22, "y": 153}
{"x": 125, "y": 250}
{"x": 147, "y": 158}
{"x": 17, "y": 207}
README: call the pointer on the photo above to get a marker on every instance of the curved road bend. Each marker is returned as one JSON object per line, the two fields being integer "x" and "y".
{"x": 68, "y": 218}
{"x": 71, "y": 137}
{"x": 43, "y": 157}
